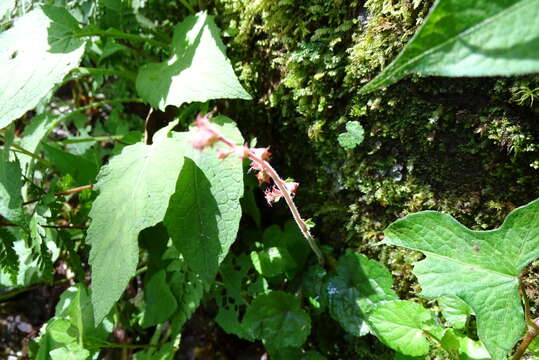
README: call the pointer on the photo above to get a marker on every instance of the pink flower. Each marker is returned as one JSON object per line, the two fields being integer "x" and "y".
{"x": 273, "y": 195}
{"x": 291, "y": 187}
{"x": 262, "y": 153}
{"x": 241, "y": 151}
{"x": 262, "y": 177}
{"x": 256, "y": 166}
{"x": 206, "y": 136}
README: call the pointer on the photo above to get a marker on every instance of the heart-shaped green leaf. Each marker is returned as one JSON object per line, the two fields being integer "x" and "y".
{"x": 197, "y": 71}
{"x": 404, "y": 326}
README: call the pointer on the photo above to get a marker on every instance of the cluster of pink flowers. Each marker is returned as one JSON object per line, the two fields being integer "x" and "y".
{"x": 208, "y": 135}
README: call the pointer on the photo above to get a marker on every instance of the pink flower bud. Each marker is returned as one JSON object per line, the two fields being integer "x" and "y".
{"x": 262, "y": 153}
{"x": 205, "y": 136}
{"x": 256, "y": 166}
{"x": 262, "y": 177}
{"x": 241, "y": 151}
{"x": 291, "y": 187}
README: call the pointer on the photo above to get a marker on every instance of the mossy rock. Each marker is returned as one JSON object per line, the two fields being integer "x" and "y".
{"x": 468, "y": 147}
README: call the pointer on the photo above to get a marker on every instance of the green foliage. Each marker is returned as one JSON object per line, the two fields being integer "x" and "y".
{"x": 455, "y": 311}
{"x": 197, "y": 71}
{"x": 277, "y": 319}
{"x": 461, "y": 40}
{"x": 353, "y": 135}
{"x": 10, "y": 188}
{"x": 163, "y": 228}
{"x": 204, "y": 212}
{"x": 71, "y": 331}
{"x": 359, "y": 285}
{"x": 475, "y": 265}
{"x": 404, "y": 326}
{"x": 44, "y": 34}
{"x": 133, "y": 188}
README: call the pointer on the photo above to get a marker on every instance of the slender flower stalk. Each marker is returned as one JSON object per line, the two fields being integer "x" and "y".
{"x": 208, "y": 135}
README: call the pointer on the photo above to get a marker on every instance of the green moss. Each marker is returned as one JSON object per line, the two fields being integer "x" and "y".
{"x": 467, "y": 147}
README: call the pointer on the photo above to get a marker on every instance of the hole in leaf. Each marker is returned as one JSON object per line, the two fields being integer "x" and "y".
{"x": 13, "y": 55}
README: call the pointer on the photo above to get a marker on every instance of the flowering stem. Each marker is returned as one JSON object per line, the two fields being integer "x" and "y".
{"x": 291, "y": 205}
{"x": 213, "y": 135}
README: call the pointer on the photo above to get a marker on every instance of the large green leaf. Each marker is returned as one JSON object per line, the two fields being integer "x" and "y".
{"x": 204, "y": 212}
{"x": 404, "y": 326}
{"x": 359, "y": 284}
{"x": 278, "y": 320}
{"x": 463, "y": 38}
{"x": 134, "y": 189}
{"x": 480, "y": 267}
{"x": 197, "y": 71}
{"x": 37, "y": 52}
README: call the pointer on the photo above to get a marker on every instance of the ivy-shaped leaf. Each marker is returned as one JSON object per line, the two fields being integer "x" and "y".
{"x": 461, "y": 38}
{"x": 277, "y": 319}
{"x": 134, "y": 189}
{"x": 480, "y": 267}
{"x": 37, "y": 52}
{"x": 197, "y": 71}
{"x": 404, "y": 326}
{"x": 353, "y": 136}
{"x": 204, "y": 212}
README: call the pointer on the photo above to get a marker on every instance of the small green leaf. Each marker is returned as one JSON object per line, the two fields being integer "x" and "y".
{"x": 360, "y": 283}
{"x": 314, "y": 282}
{"x": 233, "y": 272}
{"x": 204, "y": 213}
{"x": 462, "y": 347}
{"x": 72, "y": 328}
{"x": 277, "y": 319}
{"x": 353, "y": 136}
{"x": 37, "y": 52}
{"x": 10, "y": 188}
{"x": 272, "y": 262}
{"x": 197, "y": 71}
{"x": 82, "y": 170}
{"x": 8, "y": 257}
{"x": 403, "y": 326}
{"x": 459, "y": 38}
{"x": 480, "y": 267}
{"x": 455, "y": 311}
{"x": 134, "y": 189}
{"x": 159, "y": 299}
{"x": 33, "y": 133}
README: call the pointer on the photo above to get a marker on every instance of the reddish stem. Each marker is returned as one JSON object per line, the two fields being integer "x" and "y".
{"x": 65, "y": 192}
{"x": 280, "y": 183}
{"x": 533, "y": 331}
